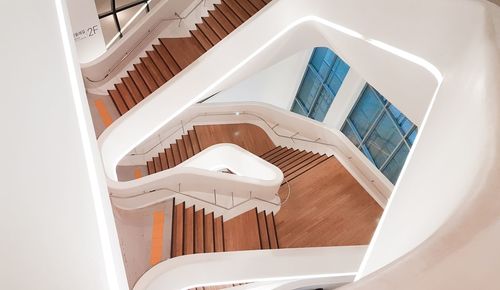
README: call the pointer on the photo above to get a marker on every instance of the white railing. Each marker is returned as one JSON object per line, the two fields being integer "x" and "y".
{"x": 340, "y": 263}
{"x": 199, "y": 181}
{"x": 285, "y": 128}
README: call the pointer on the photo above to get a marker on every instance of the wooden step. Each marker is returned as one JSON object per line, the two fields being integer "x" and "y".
{"x": 153, "y": 70}
{"x": 194, "y": 141}
{"x": 229, "y": 14}
{"x": 270, "y": 152}
{"x": 176, "y": 154}
{"x": 248, "y": 7}
{"x": 157, "y": 163}
{"x": 219, "y": 235}
{"x": 294, "y": 160}
{"x": 146, "y": 76}
{"x": 259, "y": 4}
{"x": 189, "y": 146}
{"x": 264, "y": 235}
{"x": 209, "y": 233}
{"x": 282, "y": 154}
{"x": 199, "y": 231}
{"x": 209, "y": 33}
{"x": 273, "y": 234}
{"x": 276, "y": 153}
{"x": 151, "y": 167}
{"x": 167, "y": 58}
{"x": 215, "y": 26}
{"x": 170, "y": 157}
{"x": 118, "y": 101}
{"x": 184, "y": 50}
{"x": 237, "y": 9}
{"x": 133, "y": 89}
{"x": 301, "y": 170}
{"x": 139, "y": 82}
{"x": 160, "y": 64}
{"x": 177, "y": 248}
{"x": 189, "y": 231}
{"x": 182, "y": 149}
{"x": 125, "y": 94}
{"x": 222, "y": 20}
{"x": 241, "y": 233}
{"x": 202, "y": 39}
{"x": 287, "y": 159}
{"x": 163, "y": 161}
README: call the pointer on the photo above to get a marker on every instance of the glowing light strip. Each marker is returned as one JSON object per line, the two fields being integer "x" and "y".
{"x": 78, "y": 96}
{"x": 116, "y": 37}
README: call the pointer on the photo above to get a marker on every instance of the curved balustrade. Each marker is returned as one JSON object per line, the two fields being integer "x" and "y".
{"x": 444, "y": 66}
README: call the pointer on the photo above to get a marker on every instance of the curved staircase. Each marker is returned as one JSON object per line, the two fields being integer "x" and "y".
{"x": 172, "y": 55}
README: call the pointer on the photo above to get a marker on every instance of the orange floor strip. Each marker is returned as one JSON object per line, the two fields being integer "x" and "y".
{"x": 137, "y": 173}
{"x": 157, "y": 237}
{"x": 103, "y": 112}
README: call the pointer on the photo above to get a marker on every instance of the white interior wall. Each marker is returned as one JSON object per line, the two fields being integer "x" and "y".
{"x": 85, "y": 23}
{"x": 57, "y": 228}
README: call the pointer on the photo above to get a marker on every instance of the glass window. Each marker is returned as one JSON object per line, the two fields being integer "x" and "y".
{"x": 381, "y": 131}
{"x": 322, "y": 80}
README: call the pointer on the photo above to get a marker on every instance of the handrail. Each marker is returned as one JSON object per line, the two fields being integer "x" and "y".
{"x": 140, "y": 42}
{"x": 272, "y": 128}
{"x": 280, "y": 203}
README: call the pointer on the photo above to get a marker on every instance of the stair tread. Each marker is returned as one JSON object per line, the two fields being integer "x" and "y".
{"x": 160, "y": 64}
{"x": 133, "y": 89}
{"x": 209, "y": 33}
{"x": 271, "y": 229}
{"x": 139, "y": 82}
{"x": 153, "y": 70}
{"x": 184, "y": 50}
{"x": 242, "y": 232}
{"x": 272, "y": 151}
{"x": 222, "y": 20}
{"x": 216, "y": 27}
{"x": 194, "y": 141}
{"x": 237, "y": 9}
{"x": 151, "y": 167}
{"x": 309, "y": 166}
{"x": 170, "y": 157}
{"x": 146, "y": 76}
{"x": 189, "y": 146}
{"x": 202, "y": 39}
{"x": 199, "y": 231}
{"x": 229, "y": 14}
{"x": 259, "y": 4}
{"x": 176, "y": 154}
{"x": 189, "y": 231}
{"x": 123, "y": 91}
{"x": 178, "y": 230}
{"x": 157, "y": 164}
{"x": 264, "y": 235}
{"x": 209, "y": 233}
{"x": 277, "y": 154}
{"x": 288, "y": 158}
{"x": 248, "y": 7}
{"x": 298, "y": 161}
{"x": 182, "y": 149}
{"x": 163, "y": 161}
{"x": 289, "y": 153}
{"x": 218, "y": 235}
{"x": 167, "y": 58}
{"x": 118, "y": 101}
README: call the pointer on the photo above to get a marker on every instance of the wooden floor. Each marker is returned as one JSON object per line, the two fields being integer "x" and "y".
{"x": 247, "y": 136}
{"x": 327, "y": 207}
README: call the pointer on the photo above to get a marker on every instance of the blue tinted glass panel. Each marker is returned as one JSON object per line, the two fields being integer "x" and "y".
{"x": 322, "y": 61}
{"x": 393, "y": 168}
{"x": 383, "y": 140}
{"x": 309, "y": 88}
{"x": 412, "y": 136}
{"x": 319, "y": 111}
{"x": 298, "y": 109}
{"x": 365, "y": 111}
{"x": 349, "y": 133}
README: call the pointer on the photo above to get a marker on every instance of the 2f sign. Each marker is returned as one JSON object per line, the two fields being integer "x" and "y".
{"x": 92, "y": 30}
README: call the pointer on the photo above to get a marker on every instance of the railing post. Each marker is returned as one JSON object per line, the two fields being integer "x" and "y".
{"x": 232, "y": 198}
{"x": 215, "y": 196}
